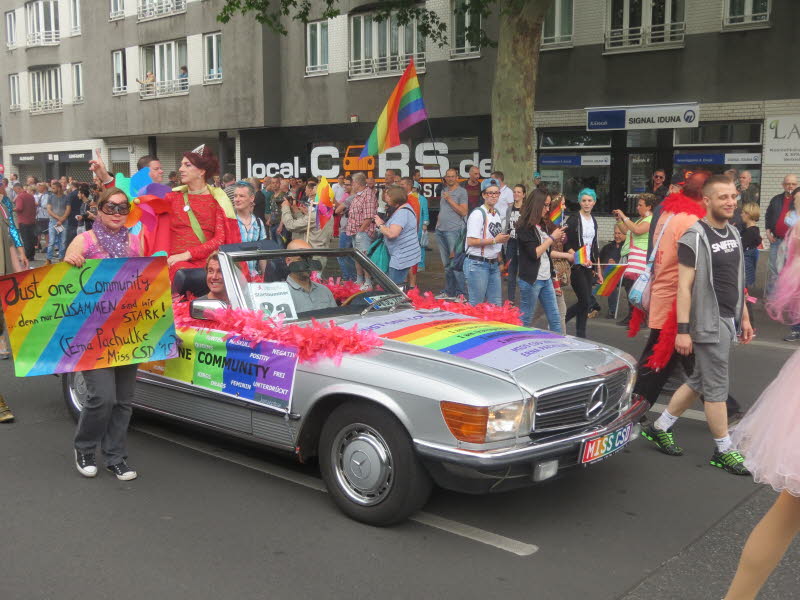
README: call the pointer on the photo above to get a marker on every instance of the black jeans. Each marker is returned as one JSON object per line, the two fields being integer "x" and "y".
{"x": 28, "y": 234}
{"x": 582, "y": 281}
{"x": 513, "y": 268}
{"x": 650, "y": 382}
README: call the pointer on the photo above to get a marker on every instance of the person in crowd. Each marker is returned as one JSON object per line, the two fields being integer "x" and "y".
{"x": 360, "y": 227}
{"x": 561, "y": 262}
{"x": 375, "y": 191}
{"x": 658, "y": 185}
{"x": 260, "y": 200}
{"x": 751, "y": 240}
{"x": 767, "y": 436}
{"x": 748, "y": 191}
{"x": 485, "y": 239}
{"x": 635, "y": 249}
{"x": 228, "y": 184}
{"x": 25, "y": 214}
{"x": 473, "y": 187}
{"x": 295, "y": 216}
{"x": 98, "y": 167}
{"x": 341, "y": 211}
{"x": 418, "y": 181}
{"x": 339, "y": 191}
{"x": 611, "y": 254}
{"x": 420, "y": 205}
{"x": 214, "y": 280}
{"x": 453, "y": 206}
{"x": 42, "y": 197}
{"x": 107, "y": 409}
{"x": 307, "y": 295}
{"x": 58, "y": 210}
{"x": 172, "y": 180}
{"x": 400, "y": 233}
{"x": 506, "y": 194}
{"x": 148, "y": 83}
{"x": 74, "y": 201}
{"x": 535, "y": 265}
{"x": 511, "y": 249}
{"x": 777, "y": 224}
{"x": 88, "y": 208}
{"x": 251, "y": 228}
{"x": 582, "y": 233}
{"x": 711, "y": 312}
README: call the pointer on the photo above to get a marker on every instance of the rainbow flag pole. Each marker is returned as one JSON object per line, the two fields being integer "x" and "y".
{"x": 612, "y": 278}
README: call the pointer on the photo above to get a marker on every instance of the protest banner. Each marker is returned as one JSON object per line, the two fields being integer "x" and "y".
{"x": 110, "y": 312}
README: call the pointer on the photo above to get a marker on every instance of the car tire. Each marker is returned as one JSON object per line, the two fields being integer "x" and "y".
{"x": 369, "y": 465}
{"x": 75, "y": 392}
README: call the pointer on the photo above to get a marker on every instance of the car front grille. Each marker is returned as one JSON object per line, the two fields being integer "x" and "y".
{"x": 565, "y": 406}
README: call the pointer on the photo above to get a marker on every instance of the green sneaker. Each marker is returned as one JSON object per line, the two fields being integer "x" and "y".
{"x": 665, "y": 440}
{"x": 731, "y": 461}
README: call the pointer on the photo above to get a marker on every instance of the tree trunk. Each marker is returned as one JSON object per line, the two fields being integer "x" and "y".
{"x": 513, "y": 94}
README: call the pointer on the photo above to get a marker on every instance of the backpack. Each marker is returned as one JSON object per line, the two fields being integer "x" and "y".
{"x": 457, "y": 264}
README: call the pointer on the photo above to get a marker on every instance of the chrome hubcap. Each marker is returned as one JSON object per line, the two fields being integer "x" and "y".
{"x": 362, "y": 464}
{"x": 77, "y": 391}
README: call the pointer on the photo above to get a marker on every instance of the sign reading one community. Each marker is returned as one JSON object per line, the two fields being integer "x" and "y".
{"x": 262, "y": 372}
{"x": 106, "y": 313}
{"x": 491, "y": 343}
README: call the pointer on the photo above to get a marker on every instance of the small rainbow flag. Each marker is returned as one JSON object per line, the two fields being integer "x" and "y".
{"x": 324, "y": 202}
{"x": 612, "y": 275}
{"x": 404, "y": 109}
{"x": 557, "y": 216}
{"x": 582, "y": 256}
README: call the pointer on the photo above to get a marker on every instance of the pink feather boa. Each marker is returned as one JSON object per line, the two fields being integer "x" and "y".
{"x": 507, "y": 313}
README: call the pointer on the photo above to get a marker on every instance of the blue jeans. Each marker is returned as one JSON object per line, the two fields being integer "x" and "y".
{"x": 398, "y": 275}
{"x": 483, "y": 281}
{"x": 446, "y": 241}
{"x": 346, "y": 264}
{"x": 56, "y": 239}
{"x": 543, "y": 291}
{"x": 750, "y": 265}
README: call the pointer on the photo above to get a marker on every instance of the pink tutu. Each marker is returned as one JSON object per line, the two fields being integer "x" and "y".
{"x": 768, "y": 434}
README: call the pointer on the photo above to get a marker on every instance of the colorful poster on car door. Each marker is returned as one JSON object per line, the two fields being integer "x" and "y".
{"x": 262, "y": 373}
{"x": 494, "y": 344}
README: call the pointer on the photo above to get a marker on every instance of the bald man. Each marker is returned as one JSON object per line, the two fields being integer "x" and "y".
{"x": 307, "y": 295}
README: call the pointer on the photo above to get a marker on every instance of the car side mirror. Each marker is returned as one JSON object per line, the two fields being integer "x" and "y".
{"x": 199, "y": 308}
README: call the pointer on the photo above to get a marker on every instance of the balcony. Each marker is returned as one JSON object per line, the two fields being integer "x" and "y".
{"x": 160, "y": 89}
{"x": 119, "y": 90}
{"x": 213, "y": 76}
{"x": 75, "y": 30}
{"x": 46, "y": 106}
{"x": 14, "y": 108}
{"x": 44, "y": 38}
{"x": 116, "y": 15}
{"x": 745, "y": 21}
{"x": 312, "y": 70}
{"x": 556, "y": 41}
{"x": 465, "y": 52}
{"x": 384, "y": 66}
{"x": 653, "y": 37}
{"x": 155, "y": 9}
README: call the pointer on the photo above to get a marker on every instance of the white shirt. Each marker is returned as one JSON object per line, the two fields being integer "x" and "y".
{"x": 506, "y": 199}
{"x": 338, "y": 192}
{"x": 588, "y": 234}
{"x": 476, "y": 229}
{"x": 544, "y": 259}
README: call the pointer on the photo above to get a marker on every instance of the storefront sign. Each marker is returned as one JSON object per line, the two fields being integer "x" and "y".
{"x": 575, "y": 160}
{"x": 661, "y": 116}
{"x": 782, "y": 140}
{"x": 18, "y": 159}
{"x": 74, "y": 156}
{"x": 718, "y": 158}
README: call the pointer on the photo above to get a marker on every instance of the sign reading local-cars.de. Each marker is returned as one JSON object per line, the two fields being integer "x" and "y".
{"x": 656, "y": 116}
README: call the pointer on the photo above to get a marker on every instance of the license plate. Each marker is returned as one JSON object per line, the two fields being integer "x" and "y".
{"x": 600, "y": 447}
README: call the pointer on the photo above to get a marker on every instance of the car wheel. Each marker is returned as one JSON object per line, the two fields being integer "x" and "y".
{"x": 369, "y": 465}
{"x": 75, "y": 393}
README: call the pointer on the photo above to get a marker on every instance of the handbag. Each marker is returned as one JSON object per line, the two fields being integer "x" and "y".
{"x": 637, "y": 262}
{"x": 639, "y": 294}
{"x": 379, "y": 254}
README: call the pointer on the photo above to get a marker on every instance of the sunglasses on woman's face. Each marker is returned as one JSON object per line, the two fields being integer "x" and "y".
{"x": 111, "y": 208}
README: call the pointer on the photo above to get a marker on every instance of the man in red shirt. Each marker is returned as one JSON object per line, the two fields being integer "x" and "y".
{"x": 473, "y": 187}
{"x": 25, "y": 209}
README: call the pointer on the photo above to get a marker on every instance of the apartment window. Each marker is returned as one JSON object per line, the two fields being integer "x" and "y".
{"x": 41, "y": 18}
{"x": 645, "y": 24}
{"x": 45, "y": 87}
{"x": 153, "y": 9}
{"x": 117, "y": 10}
{"x": 11, "y": 29}
{"x": 77, "y": 83}
{"x": 557, "y": 29}
{"x": 317, "y": 48}
{"x": 743, "y": 13}
{"x": 165, "y": 70}
{"x": 13, "y": 90}
{"x": 385, "y": 47}
{"x": 213, "y": 57}
{"x": 75, "y": 17}
{"x": 462, "y": 21}
{"x": 120, "y": 80}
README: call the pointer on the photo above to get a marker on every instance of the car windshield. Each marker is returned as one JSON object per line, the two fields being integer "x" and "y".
{"x": 305, "y": 284}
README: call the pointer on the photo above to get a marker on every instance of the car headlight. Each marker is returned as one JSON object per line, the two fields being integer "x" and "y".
{"x": 481, "y": 424}
{"x": 626, "y": 401}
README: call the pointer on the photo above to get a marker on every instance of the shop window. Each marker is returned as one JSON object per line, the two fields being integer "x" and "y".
{"x": 77, "y": 83}
{"x": 317, "y": 48}
{"x": 13, "y": 92}
{"x": 164, "y": 70}
{"x": 45, "y": 87}
{"x": 120, "y": 160}
{"x": 463, "y": 21}
{"x": 153, "y": 9}
{"x": 212, "y": 42}
{"x": 557, "y": 30}
{"x": 638, "y": 24}
{"x": 116, "y": 10}
{"x": 730, "y": 161}
{"x": 383, "y": 48}
{"x": 720, "y": 134}
{"x": 11, "y": 29}
{"x": 554, "y": 140}
{"x": 746, "y": 13}
{"x": 120, "y": 75}
{"x": 568, "y": 173}
{"x": 75, "y": 17}
{"x": 41, "y": 18}
{"x": 641, "y": 138}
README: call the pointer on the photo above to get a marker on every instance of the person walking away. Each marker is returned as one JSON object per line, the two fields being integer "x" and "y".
{"x": 636, "y": 247}
{"x": 582, "y": 233}
{"x": 400, "y": 233}
{"x": 510, "y": 249}
{"x": 711, "y": 312}
{"x": 484, "y": 242}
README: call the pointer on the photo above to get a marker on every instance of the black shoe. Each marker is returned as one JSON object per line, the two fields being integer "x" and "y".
{"x": 85, "y": 463}
{"x": 792, "y": 337}
{"x": 730, "y": 461}
{"x": 122, "y": 471}
{"x": 665, "y": 440}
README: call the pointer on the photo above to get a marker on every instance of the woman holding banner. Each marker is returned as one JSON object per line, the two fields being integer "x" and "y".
{"x": 107, "y": 410}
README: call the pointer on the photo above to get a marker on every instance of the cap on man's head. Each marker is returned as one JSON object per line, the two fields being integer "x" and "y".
{"x": 489, "y": 182}
{"x": 537, "y": 175}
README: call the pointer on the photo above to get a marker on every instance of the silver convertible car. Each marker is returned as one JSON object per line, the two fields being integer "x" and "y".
{"x": 472, "y": 405}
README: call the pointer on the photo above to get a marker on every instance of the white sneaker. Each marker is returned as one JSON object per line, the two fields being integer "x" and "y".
{"x": 85, "y": 463}
{"x": 122, "y": 471}
{"x": 366, "y": 286}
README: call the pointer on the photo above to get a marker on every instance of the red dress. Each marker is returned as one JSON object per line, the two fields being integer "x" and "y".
{"x": 213, "y": 223}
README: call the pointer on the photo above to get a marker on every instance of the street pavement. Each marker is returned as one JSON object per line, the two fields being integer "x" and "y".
{"x": 212, "y": 518}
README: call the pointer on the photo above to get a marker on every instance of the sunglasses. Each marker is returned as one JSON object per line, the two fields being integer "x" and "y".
{"x": 110, "y": 208}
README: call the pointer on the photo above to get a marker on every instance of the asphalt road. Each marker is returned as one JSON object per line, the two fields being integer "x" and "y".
{"x": 209, "y": 518}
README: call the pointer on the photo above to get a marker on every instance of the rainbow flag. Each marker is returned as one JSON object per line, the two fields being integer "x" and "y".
{"x": 324, "y": 202}
{"x": 404, "y": 109}
{"x": 612, "y": 275}
{"x": 582, "y": 256}
{"x": 557, "y": 216}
